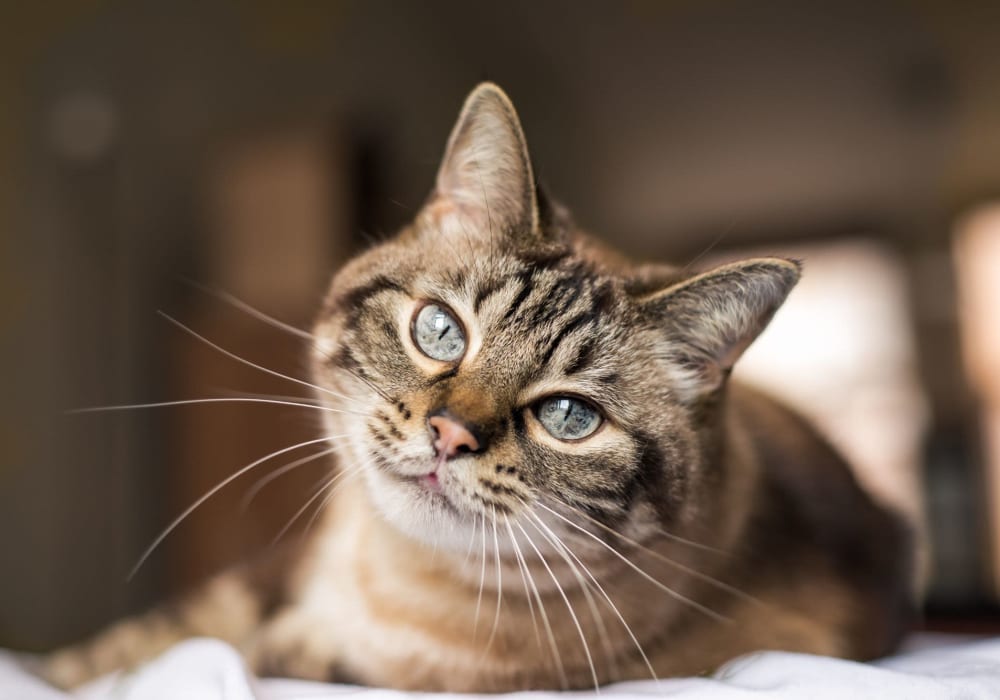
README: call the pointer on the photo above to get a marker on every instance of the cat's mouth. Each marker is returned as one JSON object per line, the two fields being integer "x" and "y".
{"x": 426, "y": 486}
{"x": 431, "y": 485}
{"x": 430, "y": 482}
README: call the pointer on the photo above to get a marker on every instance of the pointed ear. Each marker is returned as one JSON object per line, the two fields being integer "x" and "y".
{"x": 485, "y": 185}
{"x": 710, "y": 319}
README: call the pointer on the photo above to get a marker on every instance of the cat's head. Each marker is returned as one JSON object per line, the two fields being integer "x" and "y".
{"x": 491, "y": 362}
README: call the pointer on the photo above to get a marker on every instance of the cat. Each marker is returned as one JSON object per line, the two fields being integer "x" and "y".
{"x": 547, "y": 480}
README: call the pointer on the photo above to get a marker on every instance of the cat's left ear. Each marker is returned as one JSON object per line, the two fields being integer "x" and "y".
{"x": 709, "y": 320}
{"x": 485, "y": 185}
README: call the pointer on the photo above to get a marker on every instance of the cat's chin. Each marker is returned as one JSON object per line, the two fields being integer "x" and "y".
{"x": 421, "y": 508}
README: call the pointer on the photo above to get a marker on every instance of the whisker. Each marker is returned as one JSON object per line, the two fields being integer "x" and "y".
{"x": 482, "y": 581}
{"x": 252, "y": 311}
{"x": 614, "y": 608}
{"x": 666, "y": 534}
{"x": 569, "y": 607}
{"x": 472, "y": 541}
{"x": 329, "y": 483}
{"x": 610, "y": 602}
{"x": 264, "y": 481}
{"x": 369, "y": 383}
{"x": 666, "y": 589}
{"x": 343, "y": 478}
{"x": 522, "y": 565}
{"x": 562, "y": 548}
{"x": 557, "y": 657}
{"x": 215, "y": 489}
{"x": 214, "y": 399}
{"x": 499, "y": 577}
{"x": 266, "y": 318}
{"x": 247, "y": 362}
{"x": 434, "y": 551}
{"x": 690, "y": 543}
{"x": 325, "y": 483}
{"x": 694, "y": 573}
{"x": 279, "y": 397}
{"x": 708, "y": 249}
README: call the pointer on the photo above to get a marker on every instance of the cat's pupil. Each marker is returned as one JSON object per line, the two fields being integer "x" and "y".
{"x": 568, "y": 418}
{"x": 438, "y": 334}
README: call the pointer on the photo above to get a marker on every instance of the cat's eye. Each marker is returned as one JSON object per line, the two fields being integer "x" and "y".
{"x": 567, "y": 417}
{"x": 438, "y": 333}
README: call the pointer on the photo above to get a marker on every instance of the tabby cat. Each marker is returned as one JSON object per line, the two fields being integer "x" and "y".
{"x": 546, "y": 479}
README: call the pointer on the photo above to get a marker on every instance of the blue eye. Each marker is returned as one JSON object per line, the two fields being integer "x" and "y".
{"x": 438, "y": 334}
{"x": 568, "y": 418}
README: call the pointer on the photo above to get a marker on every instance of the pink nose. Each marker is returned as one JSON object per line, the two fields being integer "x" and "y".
{"x": 451, "y": 437}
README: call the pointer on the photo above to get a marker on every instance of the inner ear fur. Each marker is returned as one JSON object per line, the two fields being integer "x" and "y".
{"x": 709, "y": 320}
{"x": 485, "y": 184}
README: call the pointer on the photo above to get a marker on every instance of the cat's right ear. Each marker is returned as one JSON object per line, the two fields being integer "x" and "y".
{"x": 485, "y": 185}
{"x": 709, "y": 320}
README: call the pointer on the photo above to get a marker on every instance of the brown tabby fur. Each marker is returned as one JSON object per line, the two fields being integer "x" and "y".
{"x": 700, "y": 522}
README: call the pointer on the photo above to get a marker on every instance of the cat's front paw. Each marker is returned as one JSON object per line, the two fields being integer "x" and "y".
{"x": 66, "y": 669}
{"x": 123, "y": 646}
{"x": 295, "y": 645}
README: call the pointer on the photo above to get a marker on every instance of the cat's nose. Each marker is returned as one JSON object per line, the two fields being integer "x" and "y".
{"x": 450, "y": 438}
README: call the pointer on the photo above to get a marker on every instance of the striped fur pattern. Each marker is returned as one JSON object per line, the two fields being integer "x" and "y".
{"x": 699, "y": 521}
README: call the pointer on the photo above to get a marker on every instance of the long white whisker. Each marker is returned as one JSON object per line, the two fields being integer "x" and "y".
{"x": 499, "y": 578}
{"x": 614, "y": 608}
{"x": 666, "y": 589}
{"x": 482, "y": 581}
{"x": 691, "y": 543}
{"x": 218, "y": 487}
{"x": 472, "y": 541}
{"x": 265, "y": 480}
{"x": 281, "y": 325}
{"x": 328, "y": 485}
{"x": 214, "y": 399}
{"x": 522, "y": 566}
{"x": 557, "y": 657}
{"x": 569, "y": 607}
{"x": 256, "y": 313}
{"x": 279, "y": 397}
{"x": 349, "y": 474}
{"x": 247, "y": 362}
{"x": 562, "y": 548}
{"x": 266, "y": 318}
{"x": 369, "y": 383}
{"x": 721, "y": 585}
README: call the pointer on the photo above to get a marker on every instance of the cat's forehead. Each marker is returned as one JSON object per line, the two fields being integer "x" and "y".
{"x": 557, "y": 317}
{"x": 520, "y": 290}
{"x": 456, "y": 279}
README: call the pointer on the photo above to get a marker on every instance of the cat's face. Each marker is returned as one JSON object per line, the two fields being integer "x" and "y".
{"x": 489, "y": 365}
{"x": 500, "y": 381}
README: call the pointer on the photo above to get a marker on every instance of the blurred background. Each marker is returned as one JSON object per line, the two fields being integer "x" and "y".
{"x": 253, "y": 146}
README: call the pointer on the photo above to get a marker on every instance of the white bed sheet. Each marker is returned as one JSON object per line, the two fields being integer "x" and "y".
{"x": 206, "y": 669}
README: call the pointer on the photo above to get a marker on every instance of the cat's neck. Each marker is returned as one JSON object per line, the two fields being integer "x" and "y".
{"x": 355, "y": 532}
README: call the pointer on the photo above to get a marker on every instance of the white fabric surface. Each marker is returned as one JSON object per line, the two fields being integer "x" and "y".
{"x": 206, "y": 669}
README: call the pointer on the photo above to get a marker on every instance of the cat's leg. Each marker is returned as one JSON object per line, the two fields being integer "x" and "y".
{"x": 297, "y": 644}
{"x": 226, "y": 607}
{"x": 230, "y": 606}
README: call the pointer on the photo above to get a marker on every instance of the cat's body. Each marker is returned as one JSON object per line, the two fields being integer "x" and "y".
{"x": 546, "y": 480}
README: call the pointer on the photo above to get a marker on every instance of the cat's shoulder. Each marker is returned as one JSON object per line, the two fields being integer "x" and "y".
{"x": 812, "y": 515}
